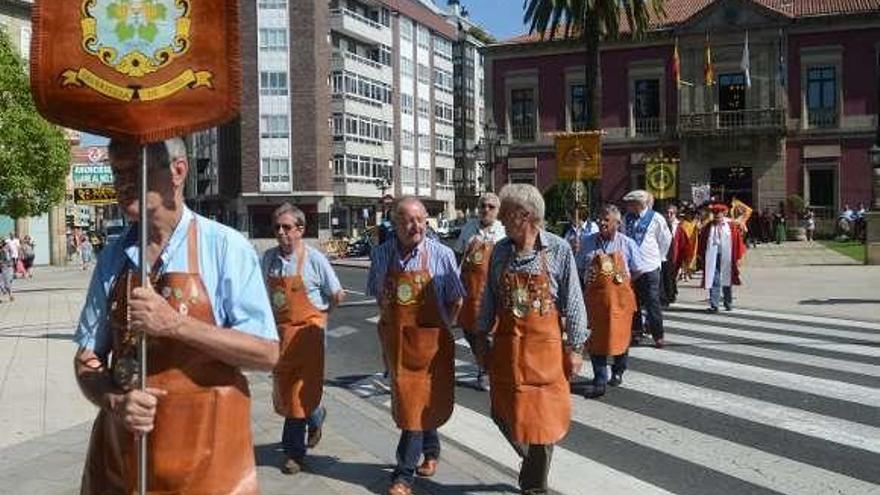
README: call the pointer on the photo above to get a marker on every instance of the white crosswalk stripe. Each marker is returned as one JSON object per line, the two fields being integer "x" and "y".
{"x": 837, "y": 437}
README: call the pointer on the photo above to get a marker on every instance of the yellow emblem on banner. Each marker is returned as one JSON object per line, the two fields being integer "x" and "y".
{"x": 661, "y": 176}
{"x": 578, "y": 155}
{"x": 186, "y": 79}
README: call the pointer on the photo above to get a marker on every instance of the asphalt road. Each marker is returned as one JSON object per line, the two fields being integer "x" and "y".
{"x": 747, "y": 402}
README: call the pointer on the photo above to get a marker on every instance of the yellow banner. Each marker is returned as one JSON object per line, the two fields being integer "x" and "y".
{"x": 579, "y": 156}
{"x": 186, "y": 79}
{"x": 660, "y": 178}
{"x": 106, "y": 88}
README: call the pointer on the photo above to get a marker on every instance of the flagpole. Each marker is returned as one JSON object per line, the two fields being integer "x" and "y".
{"x": 142, "y": 344}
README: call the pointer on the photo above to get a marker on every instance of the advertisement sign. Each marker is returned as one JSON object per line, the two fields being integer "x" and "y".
{"x": 104, "y": 195}
{"x": 92, "y": 174}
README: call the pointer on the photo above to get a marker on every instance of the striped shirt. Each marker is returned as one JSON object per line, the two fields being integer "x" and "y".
{"x": 565, "y": 286}
{"x": 441, "y": 265}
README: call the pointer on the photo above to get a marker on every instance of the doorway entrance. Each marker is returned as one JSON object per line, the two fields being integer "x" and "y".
{"x": 730, "y": 182}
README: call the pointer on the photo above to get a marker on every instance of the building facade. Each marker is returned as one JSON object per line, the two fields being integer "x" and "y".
{"x": 799, "y": 120}
{"x": 333, "y": 123}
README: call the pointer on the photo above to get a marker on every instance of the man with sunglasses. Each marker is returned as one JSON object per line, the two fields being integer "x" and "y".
{"x": 303, "y": 289}
{"x": 416, "y": 282}
{"x": 474, "y": 248}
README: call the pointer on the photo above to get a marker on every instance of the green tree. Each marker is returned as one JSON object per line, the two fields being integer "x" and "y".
{"x": 34, "y": 155}
{"x": 589, "y": 22}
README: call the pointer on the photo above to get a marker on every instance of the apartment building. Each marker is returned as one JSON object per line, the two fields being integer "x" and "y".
{"x": 344, "y": 102}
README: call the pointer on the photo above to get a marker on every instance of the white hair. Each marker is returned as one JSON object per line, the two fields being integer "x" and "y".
{"x": 299, "y": 217}
{"x": 402, "y": 202}
{"x": 159, "y": 154}
{"x": 489, "y": 197}
{"x": 527, "y": 197}
{"x": 610, "y": 210}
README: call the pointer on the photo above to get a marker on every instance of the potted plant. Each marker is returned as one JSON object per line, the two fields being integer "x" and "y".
{"x": 796, "y": 207}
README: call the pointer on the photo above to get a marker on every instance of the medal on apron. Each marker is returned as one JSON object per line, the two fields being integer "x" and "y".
{"x": 404, "y": 293}
{"x": 607, "y": 266}
{"x": 278, "y": 298}
{"x": 125, "y": 372}
{"x": 618, "y": 278}
{"x": 520, "y": 302}
{"x": 477, "y": 257}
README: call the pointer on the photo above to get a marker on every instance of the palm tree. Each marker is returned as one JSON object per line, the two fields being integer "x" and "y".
{"x": 590, "y": 22}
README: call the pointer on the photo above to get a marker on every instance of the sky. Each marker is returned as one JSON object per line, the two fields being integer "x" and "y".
{"x": 502, "y": 18}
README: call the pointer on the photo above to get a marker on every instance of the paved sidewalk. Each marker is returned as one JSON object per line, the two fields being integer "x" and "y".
{"x": 797, "y": 277}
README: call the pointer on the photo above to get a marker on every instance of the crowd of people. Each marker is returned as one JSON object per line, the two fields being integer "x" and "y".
{"x": 530, "y": 306}
{"x": 16, "y": 261}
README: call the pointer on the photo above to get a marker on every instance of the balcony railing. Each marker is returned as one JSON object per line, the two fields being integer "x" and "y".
{"x": 822, "y": 118}
{"x": 523, "y": 132}
{"x": 340, "y": 55}
{"x": 647, "y": 126}
{"x": 736, "y": 122}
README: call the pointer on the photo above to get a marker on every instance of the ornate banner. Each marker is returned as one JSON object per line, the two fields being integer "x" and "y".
{"x": 661, "y": 177}
{"x": 141, "y": 70}
{"x": 578, "y": 155}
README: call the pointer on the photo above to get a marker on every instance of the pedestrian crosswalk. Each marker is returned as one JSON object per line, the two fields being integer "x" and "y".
{"x": 749, "y": 402}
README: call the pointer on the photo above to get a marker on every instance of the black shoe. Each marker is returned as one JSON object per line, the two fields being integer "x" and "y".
{"x": 728, "y": 307}
{"x": 616, "y": 379}
{"x": 713, "y": 309}
{"x": 594, "y": 391}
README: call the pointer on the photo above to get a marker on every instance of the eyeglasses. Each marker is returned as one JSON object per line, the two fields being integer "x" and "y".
{"x": 285, "y": 227}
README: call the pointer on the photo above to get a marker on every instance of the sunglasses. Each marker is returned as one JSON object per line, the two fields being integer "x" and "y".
{"x": 285, "y": 227}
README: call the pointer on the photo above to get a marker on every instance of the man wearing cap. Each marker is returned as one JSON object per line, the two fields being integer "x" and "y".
{"x": 474, "y": 246}
{"x": 416, "y": 282}
{"x": 653, "y": 237}
{"x": 721, "y": 249}
{"x": 303, "y": 289}
{"x": 206, "y": 314}
{"x": 534, "y": 297}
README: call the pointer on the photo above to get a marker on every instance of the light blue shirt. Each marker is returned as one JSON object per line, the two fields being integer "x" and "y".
{"x": 228, "y": 266}
{"x": 594, "y": 244}
{"x": 565, "y": 286}
{"x": 318, "y": 276}
{"x": 441, "y": 265}
{"x": 474, "y": 228}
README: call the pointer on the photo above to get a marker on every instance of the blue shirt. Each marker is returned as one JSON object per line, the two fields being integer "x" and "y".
{"x": 441, "y": 265}
{"x": 594, "y": 244}
{"x": 565, "y": 286}
{"x": 320, "y": 280}
{"x": 228, "y": 266}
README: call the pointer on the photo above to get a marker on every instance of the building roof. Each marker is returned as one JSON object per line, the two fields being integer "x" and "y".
{"x": 680, "y": 11}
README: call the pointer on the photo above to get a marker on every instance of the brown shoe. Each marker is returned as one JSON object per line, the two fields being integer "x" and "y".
{"x": 291, "y": 466}
{"x": 399, "y": 488}
{"x": 428, "y": 468}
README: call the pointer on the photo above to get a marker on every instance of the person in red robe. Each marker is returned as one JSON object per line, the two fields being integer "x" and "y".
{"x": 721, "y": 248}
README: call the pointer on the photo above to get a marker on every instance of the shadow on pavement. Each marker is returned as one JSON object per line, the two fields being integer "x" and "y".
{"x": 822, "y": 302}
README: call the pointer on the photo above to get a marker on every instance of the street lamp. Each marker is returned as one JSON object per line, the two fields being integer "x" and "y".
{"x": 383, "y": 184}
{"x": 495, "y": 148}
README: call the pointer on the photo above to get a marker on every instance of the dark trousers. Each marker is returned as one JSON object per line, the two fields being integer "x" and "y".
{"x": 535, "y": 463}
{"x": 648, "y": 297}
{"x": 293, "y": 437}
{"x": 411, "y": 447}
{"x": 600, "y": 367}
{"x": 670, "y": 283}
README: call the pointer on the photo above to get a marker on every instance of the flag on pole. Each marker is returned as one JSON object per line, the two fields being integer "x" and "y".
{"x": 744, "y": 64}
{"x": 676, "y": 65}
{"x": 708, "y": 69}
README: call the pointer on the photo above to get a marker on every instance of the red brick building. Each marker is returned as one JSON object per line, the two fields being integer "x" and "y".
{"x": 803, "y": 126}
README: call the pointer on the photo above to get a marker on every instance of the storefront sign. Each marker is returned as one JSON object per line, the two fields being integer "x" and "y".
{"x": 93, "y": 175}
{"x": 105, "y": 195}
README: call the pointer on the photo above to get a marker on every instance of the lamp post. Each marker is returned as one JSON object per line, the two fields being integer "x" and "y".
{"x": 383, "y": 184}
{"x": 496, "y": 149}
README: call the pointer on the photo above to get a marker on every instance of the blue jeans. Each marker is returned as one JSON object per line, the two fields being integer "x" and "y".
{"x": 648, "y": 297}
{"x": 293, "y": 437}
{"x": 600, "y": 367}
{"x": 412, "y": 445}
{"x": 716, "y": 289}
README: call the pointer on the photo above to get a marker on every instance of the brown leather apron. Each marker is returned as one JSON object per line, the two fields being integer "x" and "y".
{"x": 474, "y": 274}
{"x": 299, "y": 375}
{"x": 530, "y": 390}
{"x": 418, "y": 349}
{"x": 201, "y": 443}
{"x": 610, "y": 305}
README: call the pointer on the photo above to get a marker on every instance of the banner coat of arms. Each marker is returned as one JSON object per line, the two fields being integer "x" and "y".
{"x": 141, "y": 70}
